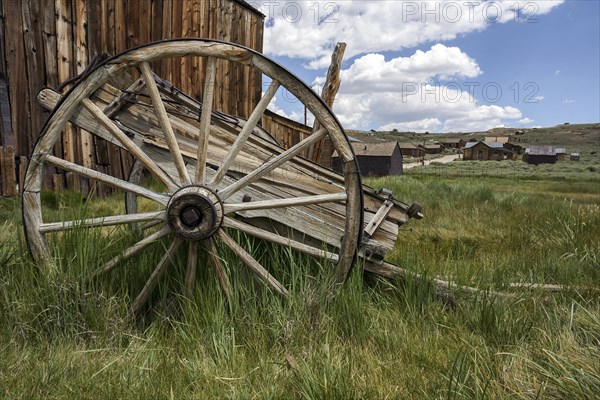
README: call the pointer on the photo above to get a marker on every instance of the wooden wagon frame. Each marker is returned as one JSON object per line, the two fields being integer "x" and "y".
{"x": 214, "y": 170}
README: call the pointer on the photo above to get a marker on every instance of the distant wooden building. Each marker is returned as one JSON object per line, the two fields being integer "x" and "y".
{"x": 411, "y": 150}
{"x": 513, "y": 147}
{"x": 499, "y": 139}
{"x": 484, "y": 151}
{"x": 574, "y": 156}
{"x": 452, "y": 143}
{"x": 374, "y": 159}
{"x": 433, "y": 148}
{"x": 561, "y": 154}
{"x": 540, "y": 155}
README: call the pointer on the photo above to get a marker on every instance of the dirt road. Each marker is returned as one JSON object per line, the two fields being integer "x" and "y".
{"x": 442, "y": 160}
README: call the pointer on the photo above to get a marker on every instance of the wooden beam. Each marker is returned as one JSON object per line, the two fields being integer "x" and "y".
{"x": 330, "y": 89}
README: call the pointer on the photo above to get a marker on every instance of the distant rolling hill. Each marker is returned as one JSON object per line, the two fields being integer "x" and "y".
{"x": 575, "y": 136}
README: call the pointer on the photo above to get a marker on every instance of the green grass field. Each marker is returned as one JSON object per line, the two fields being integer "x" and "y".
{"x": 62, "y": 338}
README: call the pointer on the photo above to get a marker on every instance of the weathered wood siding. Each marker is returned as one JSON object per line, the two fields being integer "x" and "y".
{"x": 45, "y": 42}
{"x": 288, "y": 133}
{"x": 375, "y": 165}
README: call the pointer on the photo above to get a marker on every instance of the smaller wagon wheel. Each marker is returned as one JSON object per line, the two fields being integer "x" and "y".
{"x": 204, "y": 191}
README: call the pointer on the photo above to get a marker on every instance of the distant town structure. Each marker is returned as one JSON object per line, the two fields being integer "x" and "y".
{"x": 411, "y": 150}
{"x": 574, "y": 156}
{"x": 513, "y": 147}
{"x": 433, "y": 148}
{"x": 374, "y": 159}
{"x": 484, "y": 151}
{"x": 561, "y": 154}
{"x": 452, "y": 143}
{"x": 498, "y": 139}
{"x": 540, "y": 155}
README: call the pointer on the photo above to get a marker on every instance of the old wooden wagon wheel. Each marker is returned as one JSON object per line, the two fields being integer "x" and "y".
{"x": 223, "y": 177}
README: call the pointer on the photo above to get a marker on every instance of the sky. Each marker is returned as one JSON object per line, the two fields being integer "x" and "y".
{"x": 443, "y": 66}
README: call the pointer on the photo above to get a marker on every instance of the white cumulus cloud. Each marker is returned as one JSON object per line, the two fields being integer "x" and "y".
{"x": 309, "y": 29}
{"x": 372, "y": 72}
{"x": 402, "y": 93}
{"x": 423, "y": 125}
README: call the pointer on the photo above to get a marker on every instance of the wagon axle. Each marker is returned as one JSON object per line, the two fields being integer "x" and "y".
{"x": 194, "y": 213}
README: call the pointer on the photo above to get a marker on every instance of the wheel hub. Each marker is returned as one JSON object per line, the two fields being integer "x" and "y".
{"x": 194, "y": 213}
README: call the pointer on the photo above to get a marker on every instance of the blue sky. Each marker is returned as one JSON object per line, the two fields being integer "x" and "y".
{"x": 444, "y": 66}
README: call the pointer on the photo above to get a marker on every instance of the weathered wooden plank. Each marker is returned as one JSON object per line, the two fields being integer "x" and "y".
{"x": 166, "y": 70}
{"x": 2, "y": 47}
{"x": 58, "y": 182}
{"x": 16, "y": 73}
{"x": 32, "y": 36}
{"x": 145, "y": 21}
{"x": 185, "y": 66}
{"x": 132, "y": 23}
{"x": 156, "y": 27}
{"x": 108, "y": 26}
{"x": 80, "y": 44}
{"x": 197, "y": 67}
{"x": 6, "y": 134}
{"x": 120, "y": 27}
{"x": 64, "y": 33}
{"x": 95, "y": 19}
{"x": 8, "y": 173}
{"x": 23, "y": 163}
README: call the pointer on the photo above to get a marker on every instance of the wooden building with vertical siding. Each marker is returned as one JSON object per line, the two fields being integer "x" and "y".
{"x": 46, "y": 42}
{"x": 540, "y": 155}
{"x": 484, "y": 151}
{"x": 375, "y": 159}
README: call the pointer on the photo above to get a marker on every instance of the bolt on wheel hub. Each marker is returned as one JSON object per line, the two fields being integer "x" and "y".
{"x": 194, "y": 213}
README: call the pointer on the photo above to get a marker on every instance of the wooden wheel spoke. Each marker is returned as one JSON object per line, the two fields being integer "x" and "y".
{"x": 211, "y": 249}
{"x": 207, "y": 100}
{"x": 190, "y": 271}
{"x": 280, "y": 203}
{"x": 277, "y": 239}
{"x": 133, "y": 148}
{"x": 253, "y": 120}
{"x": 158, "y": 272}
{"x": 132, "y": 251}
{"x": 272, "y": 164}
{"x": 102, "y": 221}
{"x": 149, "y": 225}
{"x": 165, "y": 123}
{"x": 254, "y": 265}
{"x": 109, "y": 180}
